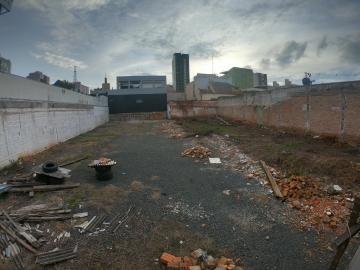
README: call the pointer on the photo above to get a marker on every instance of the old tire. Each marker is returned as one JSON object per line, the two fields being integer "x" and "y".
{"x": 50, "y": 167}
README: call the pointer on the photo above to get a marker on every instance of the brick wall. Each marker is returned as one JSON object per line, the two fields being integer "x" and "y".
{"x": 325, "y": 109}
{"x": 188, "y": 109}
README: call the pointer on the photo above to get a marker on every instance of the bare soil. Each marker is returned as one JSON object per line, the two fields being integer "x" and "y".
{"x": 295, "y": 154}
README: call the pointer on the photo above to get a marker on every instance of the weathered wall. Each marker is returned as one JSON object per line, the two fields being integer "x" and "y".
{"x": 328, "y": 109}
{"x": 184, "y": 109}
{"x": 34, "y": 116}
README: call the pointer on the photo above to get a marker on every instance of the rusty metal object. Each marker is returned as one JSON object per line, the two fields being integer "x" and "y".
{"x": 102, "y": 168}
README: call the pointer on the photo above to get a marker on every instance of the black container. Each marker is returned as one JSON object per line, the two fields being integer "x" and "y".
{"x": 103, "y": 173}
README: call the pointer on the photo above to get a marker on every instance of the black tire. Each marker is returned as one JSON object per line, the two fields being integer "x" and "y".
{"x": 50, "y": 167}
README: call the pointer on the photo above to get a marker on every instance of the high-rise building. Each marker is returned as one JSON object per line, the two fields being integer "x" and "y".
{"x": 39, "y": 76}
{"x": 276, "y": 84}
{"x": 240, "y": 77}
{"x": 5, "y": 65}
{"x": 180, "y": 71}
{"x": 260, "y": 80}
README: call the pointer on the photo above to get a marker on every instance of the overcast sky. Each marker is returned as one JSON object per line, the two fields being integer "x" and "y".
{"x": 283, "y": 38}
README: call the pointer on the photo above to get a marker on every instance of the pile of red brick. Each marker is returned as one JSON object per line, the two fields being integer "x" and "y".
{"x": 323, "y": 210}
{"x": 196, "y": 152}
{"x": 298, "y": 188}
{"x": 198, "y": 260}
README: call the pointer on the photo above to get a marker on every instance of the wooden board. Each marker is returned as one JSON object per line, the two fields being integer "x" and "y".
{"x": 273, "y": 184}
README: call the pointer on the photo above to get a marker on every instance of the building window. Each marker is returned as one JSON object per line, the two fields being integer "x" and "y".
{"x": 135, "y": 84}
{"x": 124, "y": 85}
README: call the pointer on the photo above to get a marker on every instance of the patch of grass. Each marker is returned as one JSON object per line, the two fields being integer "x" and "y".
{"x": 75, "y": 199}
{"x": 293, "y": 146}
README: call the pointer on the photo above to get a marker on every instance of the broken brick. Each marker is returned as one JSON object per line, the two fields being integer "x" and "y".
{"x": 167, "y": 258}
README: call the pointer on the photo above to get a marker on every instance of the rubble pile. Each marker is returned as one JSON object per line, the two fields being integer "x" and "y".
{"x": 323, "y": 210}
{"x": 199, "y": 259}
{"x": 196, "y": 152}
{"x": 298, "y": 188}
{"x": 174, "y": 130}
{"x": 236, "y": 160}
{"x": 324, "y": 207}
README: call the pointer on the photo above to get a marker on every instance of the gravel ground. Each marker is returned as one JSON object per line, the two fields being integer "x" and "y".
{"x": 181, "y": 199}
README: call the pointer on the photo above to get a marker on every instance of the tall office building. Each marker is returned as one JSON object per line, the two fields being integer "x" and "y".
{"x": 180, "y": 71}
{"x": 5, "y": 65}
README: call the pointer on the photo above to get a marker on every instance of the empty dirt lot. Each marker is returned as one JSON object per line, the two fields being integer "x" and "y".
{"x": 179, "y": 202}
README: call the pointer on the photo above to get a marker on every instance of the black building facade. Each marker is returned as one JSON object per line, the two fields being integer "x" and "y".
{"x": 180, "y": 71}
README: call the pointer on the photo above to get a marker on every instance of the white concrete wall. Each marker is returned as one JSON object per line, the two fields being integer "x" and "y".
{"x": 34, "y": 116}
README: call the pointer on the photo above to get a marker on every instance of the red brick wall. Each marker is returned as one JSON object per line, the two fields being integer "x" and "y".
{"x": 333, "y": 110}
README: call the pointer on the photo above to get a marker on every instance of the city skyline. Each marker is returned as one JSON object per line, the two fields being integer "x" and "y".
{"x": 280, "y": 38}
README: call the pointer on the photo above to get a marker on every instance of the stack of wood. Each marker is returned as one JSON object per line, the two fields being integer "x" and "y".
{"x": 13, "y": 234}
{"x": 38, "y": 213}
{"x": 197, "y": 152}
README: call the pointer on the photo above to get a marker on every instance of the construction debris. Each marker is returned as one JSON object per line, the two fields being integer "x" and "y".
{"x": 173, "y": 130}
{"x": 274, "y": 186}
{"x": 80, "y": 215}
{"x": 198, "y": 260}
{"x": 119, "y": 219}
{"x": 95, "y": 223}
{"x": 56, "y": 256}
{"x": 11, "y": 250}
{"x": 214, "y": 160}
{"x": 196, "y": 152}
{"x": 38, "y": 214}
{"x": 43, "y": 188}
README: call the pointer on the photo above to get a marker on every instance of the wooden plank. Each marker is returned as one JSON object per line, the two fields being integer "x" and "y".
{"x": 355, "y": 262}
{"x": 21, "y": 242}
{"x": 273, "y": 184}
{"x": 345, "y": 236}
{"x": 45, "y": 188}
{"x": 73, "y": 161}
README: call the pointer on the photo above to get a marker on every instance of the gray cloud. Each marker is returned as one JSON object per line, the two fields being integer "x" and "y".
{"x": 350, "y": 49}
{"x": 323, "y": 44}
{"x": 290, "y": 53}
{"x": 265, "y": 63}
{"x": 203, "y": 50}
{"x": 140, "y": 36}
